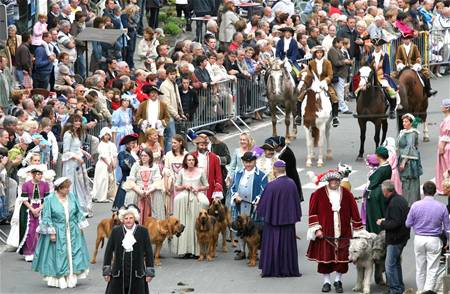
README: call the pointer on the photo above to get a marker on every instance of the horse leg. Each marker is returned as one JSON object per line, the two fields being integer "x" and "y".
{"x": 376, "y": 138}
{"x": 327, "y": 137}
{"x": 274, "y": 120}
{"x": 309, "y": 147}
{"x": 384, "y": 127}
{"x": 287, "y": 122}
{"x": 362, "y": 138}
{"x": 322, "y": 130}
{"x": 294, "y": 114}
{"x": 426, "y": 136}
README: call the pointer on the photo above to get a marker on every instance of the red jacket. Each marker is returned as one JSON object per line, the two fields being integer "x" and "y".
{"x": 213, "y": 173}
{"x": 139, "y": 94}
{"x": 320, "y": 213}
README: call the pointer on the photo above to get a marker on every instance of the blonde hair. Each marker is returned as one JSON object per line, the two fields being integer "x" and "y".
{"x": 31, "y": 124}
{"x": 131, "y": 9}
{"x": 250, "y": 140}
{"x": 149, "y": 132}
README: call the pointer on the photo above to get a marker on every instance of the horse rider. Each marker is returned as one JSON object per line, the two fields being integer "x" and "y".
{"x": 287, "y": 48}
{"x": 408, "y": 55}
{"x": 323, "y": 69}
{"x": 379, "y": 61}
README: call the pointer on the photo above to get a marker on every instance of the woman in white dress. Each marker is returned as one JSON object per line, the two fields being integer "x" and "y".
{"x": 173, "y": 163}
{"x": 144, "y": 187}
{"x": 191, "y": 186}
{"x": 104, "y": 179}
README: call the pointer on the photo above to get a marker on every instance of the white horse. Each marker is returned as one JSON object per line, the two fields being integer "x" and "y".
{"x": 316, "y": 113}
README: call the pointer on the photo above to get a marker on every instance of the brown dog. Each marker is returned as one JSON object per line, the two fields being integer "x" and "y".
{"x": 104, "y": 229}
{"x": 159, "y": 230}
{"x": 223, "y": 221}
{"x": 204, "y": 225}
{"x": 251, "y": 234}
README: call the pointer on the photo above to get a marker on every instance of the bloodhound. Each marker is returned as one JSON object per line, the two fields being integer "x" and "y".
{"x": 204, "y": 226}
{"x": 223, "y": 221}
{"x": 159, "y": 230}
{"x": 251, "y": 234}
{"x": 104, "y": 229}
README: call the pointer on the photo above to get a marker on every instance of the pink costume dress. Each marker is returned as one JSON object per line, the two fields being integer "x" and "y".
{"x": 443, "y": 161}
{"x": 389, "y": 143}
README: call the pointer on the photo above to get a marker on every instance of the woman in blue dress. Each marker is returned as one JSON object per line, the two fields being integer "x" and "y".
{"x": 121, "y": 126}
{"x": 61, "y": 255}
{"x": 122, "y": 121}
{"x": 74, "y": 167}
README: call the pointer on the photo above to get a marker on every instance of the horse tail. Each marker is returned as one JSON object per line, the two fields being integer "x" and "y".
{"x": 315, "y": 133}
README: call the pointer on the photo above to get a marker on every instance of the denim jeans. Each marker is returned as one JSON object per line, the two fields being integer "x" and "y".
{"x": 140, "y": 27}
{"x": 340, "y": 91}
{"x": 169, "y": 131}
{"x": 41, "y": 80}
{"x": 19, "y": 77}
{"x": 80, "y": 64}
{"x": 393, "y": 265}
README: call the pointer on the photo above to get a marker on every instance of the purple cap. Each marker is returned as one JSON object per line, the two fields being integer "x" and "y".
{"x": 279, "y": 163}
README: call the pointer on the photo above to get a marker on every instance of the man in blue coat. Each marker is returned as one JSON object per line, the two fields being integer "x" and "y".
{"x": 43, "y": 64}
{"x": 379, "y": 62}
{"x": 248, "y": 185}
{"x": 287, "y": 47}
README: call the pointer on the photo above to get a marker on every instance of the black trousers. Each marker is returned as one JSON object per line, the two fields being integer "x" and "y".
{"x": 184, "y": 8}
{"x": 153, "y": 18}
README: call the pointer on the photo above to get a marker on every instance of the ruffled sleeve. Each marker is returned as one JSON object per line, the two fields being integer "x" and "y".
{"x": 67, "y": 141}
{"x": 46, "y": 224}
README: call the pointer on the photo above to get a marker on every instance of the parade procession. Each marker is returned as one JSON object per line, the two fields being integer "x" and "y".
{"x": 225, "y": 146}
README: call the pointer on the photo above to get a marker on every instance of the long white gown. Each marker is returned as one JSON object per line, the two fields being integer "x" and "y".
{"x": 106, "y": 151}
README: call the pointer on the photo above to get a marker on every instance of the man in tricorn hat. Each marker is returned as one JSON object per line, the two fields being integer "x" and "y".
{"x": 279, "y": 206}
{"x": 379, "y": 61}
{"x": 408, "y": 55}
{"x": 323, "y": 69}
{"x": 248, "y": 185}
{"x": 152, "y": 113}
{"x": 329, "y": 240}
{"x": 209, "y": 162}
{"x": 287, "y": 47}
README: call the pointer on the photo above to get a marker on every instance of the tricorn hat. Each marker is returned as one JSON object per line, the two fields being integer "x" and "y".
{"x": 248, "y": 156}
{"x": 378, "y": 41}
{"x": 128, "y": 138}
{"x": 202, "y": 138}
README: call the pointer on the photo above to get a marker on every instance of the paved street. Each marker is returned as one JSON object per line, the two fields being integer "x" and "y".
{"x": 224, "y": 274}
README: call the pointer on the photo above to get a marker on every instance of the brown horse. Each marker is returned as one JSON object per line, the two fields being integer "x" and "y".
{"x": 280, "y": 92}
{"x": 370, "y": 106}
{"x": 413, "y": 99}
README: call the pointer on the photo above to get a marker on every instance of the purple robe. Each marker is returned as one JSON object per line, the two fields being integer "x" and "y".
{"x": 279, "y": 206}
{"x": 28, "y": 223}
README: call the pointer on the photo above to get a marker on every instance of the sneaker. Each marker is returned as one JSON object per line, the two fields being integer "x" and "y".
{"x": 326, "y": 288}
{"x": 338, "y": 287}
{"x": 29, "y": 258}
{"x": 348, "y": 112}
{"x": 335, "y": 122}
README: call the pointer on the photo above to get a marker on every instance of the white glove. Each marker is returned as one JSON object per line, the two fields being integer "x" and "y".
{"x": 159, "y": 127}
{"x": 417, "y": 67}
{"x": 400, "y": 66}
{"x": 144, "y": 125}
{"x": 288, "y": 66}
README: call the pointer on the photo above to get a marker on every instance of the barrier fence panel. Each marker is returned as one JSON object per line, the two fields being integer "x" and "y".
{"x": 439, "y": 47}
{"x": 251, "y": 95}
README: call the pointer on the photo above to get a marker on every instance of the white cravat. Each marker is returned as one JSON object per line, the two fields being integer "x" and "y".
{"x": 202, "y": 161}
{"x": 246, "y": 176}
{"x": 287, "y": 42}
{"x": 377, "y": 57}
{"x": 129, "y": 240}
{"x": 319, "y": 63}
{"x": 152, "y": 112}
{"x": 407, "y": 49}
{"x": 335, "y": 200}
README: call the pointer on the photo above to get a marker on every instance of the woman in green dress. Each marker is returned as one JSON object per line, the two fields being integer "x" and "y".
{"x": 61, "y": 255}
{"x": 375, "y": 203}
{"x": 410, "y": 167}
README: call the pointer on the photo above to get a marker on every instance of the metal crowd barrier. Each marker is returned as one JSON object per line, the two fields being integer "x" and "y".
{"x": 251, "y": 95}
{"x": 217, "y": 105}
{"x": 439, "y": 47}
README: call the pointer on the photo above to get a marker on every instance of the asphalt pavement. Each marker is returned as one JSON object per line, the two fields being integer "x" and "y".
{"x": 224, "y": 275}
